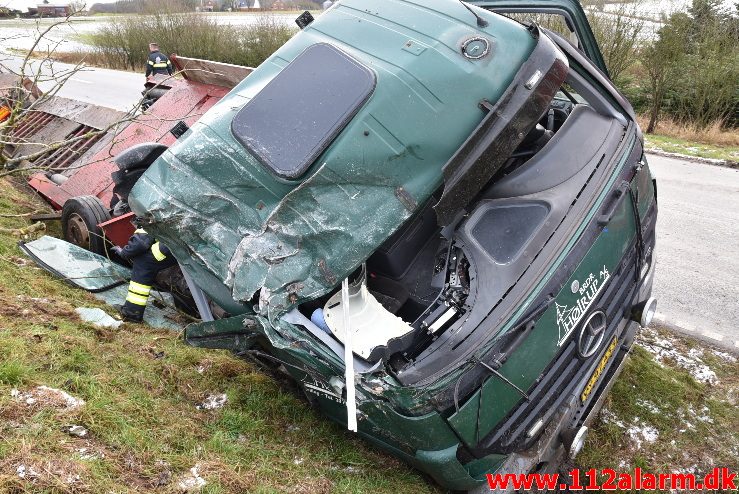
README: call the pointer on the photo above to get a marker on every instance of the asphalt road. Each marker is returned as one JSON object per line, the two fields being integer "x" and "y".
{"x": 697, "y": 270}
{"x": 111, "y": 88}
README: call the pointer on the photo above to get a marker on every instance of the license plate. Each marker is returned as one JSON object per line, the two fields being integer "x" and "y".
{"x": 599, "y": 370}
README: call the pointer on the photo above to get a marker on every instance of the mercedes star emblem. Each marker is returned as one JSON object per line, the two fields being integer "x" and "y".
{"x": 591, "y": 334}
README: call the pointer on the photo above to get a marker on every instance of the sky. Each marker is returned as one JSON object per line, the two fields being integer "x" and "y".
{"x": 23, "y": 5}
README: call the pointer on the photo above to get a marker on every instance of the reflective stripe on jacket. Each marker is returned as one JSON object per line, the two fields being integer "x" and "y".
{"x": 158, "y": 63}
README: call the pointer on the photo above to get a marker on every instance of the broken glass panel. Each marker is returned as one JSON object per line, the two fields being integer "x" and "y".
{"x": 78, "y": 266}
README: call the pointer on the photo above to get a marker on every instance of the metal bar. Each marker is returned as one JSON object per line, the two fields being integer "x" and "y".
{"x": 200, "y": 301}
{"x": 504, "y": 379}
{"x": 70, "y": 153}
{"x": 351, "y": 398}
{"x": 47, "y": 217}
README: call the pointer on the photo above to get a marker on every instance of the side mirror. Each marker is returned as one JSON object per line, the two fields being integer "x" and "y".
{"x": 139, "y": 156}
{"x": 132, "y": 163}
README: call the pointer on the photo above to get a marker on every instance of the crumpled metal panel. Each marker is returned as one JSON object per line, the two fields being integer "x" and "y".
{"x": 240, "y": 230}
{"x": 99, "y": 275}
{"x": 318, "y": 233}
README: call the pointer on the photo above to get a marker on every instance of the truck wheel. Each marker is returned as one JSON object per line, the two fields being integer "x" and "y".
{"x": 80, "y": 218}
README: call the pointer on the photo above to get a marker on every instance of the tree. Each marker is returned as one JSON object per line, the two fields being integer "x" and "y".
{"x": 660, "y": 59}
{"x": 706, "y": 87}
{"x": 618, "y": 31}
{"x": 77, "y": 6}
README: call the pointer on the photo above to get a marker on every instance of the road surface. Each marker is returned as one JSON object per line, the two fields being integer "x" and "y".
{"x": 697, "y": 271}
{"x": 111, "y": 88}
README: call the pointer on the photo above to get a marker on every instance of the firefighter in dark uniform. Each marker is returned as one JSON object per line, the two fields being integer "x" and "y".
{"x": 158, "y": 63}
{"x": 148, "y": 257}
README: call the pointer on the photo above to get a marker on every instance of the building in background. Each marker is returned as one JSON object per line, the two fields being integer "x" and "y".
{"x": 246, "y": 5}
{"x": 53, "y": 9}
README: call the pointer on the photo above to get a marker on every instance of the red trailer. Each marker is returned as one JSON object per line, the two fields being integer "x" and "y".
{"x": 78, "y": 181}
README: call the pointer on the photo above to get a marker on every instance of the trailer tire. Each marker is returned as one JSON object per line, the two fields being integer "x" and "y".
{"x": 80, "y": 219}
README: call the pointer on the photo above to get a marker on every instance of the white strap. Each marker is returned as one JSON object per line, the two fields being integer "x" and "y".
{"x": 351, "y": 400}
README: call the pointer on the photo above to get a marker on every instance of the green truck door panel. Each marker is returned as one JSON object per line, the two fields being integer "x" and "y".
{"x": 571, "y": 10}
{"x": 97, "y": 274}
{"x": 76, "y": 265}
{"x": 486, "y": 408}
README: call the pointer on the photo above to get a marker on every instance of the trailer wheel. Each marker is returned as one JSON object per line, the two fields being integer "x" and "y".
{"x": 80, "y": 219}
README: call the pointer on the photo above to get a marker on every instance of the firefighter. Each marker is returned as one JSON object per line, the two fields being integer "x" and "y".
{"x": 158, "y": 63}
{"x": 148, "y": 257}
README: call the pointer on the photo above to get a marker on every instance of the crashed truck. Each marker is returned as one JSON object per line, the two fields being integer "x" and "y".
{"x": 438, "y": 220}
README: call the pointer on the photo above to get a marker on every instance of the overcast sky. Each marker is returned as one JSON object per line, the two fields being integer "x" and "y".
{"x": 23, "y": 5}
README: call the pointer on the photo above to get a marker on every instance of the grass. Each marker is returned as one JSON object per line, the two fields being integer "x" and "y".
{"x": 714, "y": 141}
{"x": 696, "y": 422}
{"x": 146, "y": 434}
{"x": 692, "y": 148}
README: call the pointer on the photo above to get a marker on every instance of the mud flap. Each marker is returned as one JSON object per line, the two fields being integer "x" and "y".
{"x": 237, "y": 334}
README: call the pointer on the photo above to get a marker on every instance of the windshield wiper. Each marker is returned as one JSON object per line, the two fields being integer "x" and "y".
{"x": 513, "y": 338}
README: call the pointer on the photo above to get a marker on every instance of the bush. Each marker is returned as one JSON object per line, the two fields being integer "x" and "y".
{"x": 124, "y": 42}
{"x": 693, "y": 66}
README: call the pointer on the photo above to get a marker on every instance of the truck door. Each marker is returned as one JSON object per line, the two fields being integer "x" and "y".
{"x": 564, "y": 16}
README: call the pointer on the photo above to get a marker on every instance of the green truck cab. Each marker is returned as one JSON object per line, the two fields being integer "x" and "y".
{"x": 439, "y": 220}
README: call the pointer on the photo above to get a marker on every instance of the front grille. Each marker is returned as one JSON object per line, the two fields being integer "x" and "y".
{"x": 568, "y": 370}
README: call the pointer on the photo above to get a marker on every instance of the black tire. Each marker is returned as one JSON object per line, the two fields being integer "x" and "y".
{"x": 80, "y": 219}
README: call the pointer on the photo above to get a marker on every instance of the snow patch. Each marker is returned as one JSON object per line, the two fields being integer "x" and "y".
{"x": 97, "y": 317}
{"x": 87, "y": 455}
{"x": 75, "y": 430}
{"x": 36, "y": 300}
{"x": 46, "y": 396}
{"x": 703, "y": 416}
{"x": 727, "y": 357}
{"x": 608, "y": 417}
{"x": 213, "y": 402}
{"x": 664, "y": 350}
{"x": 72, "y": 479}
{"x": 26, "y": 472}
{"x": 639, "y": 434}
{"x": 192, "y": 482}
{"x": 648, "y": 406}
